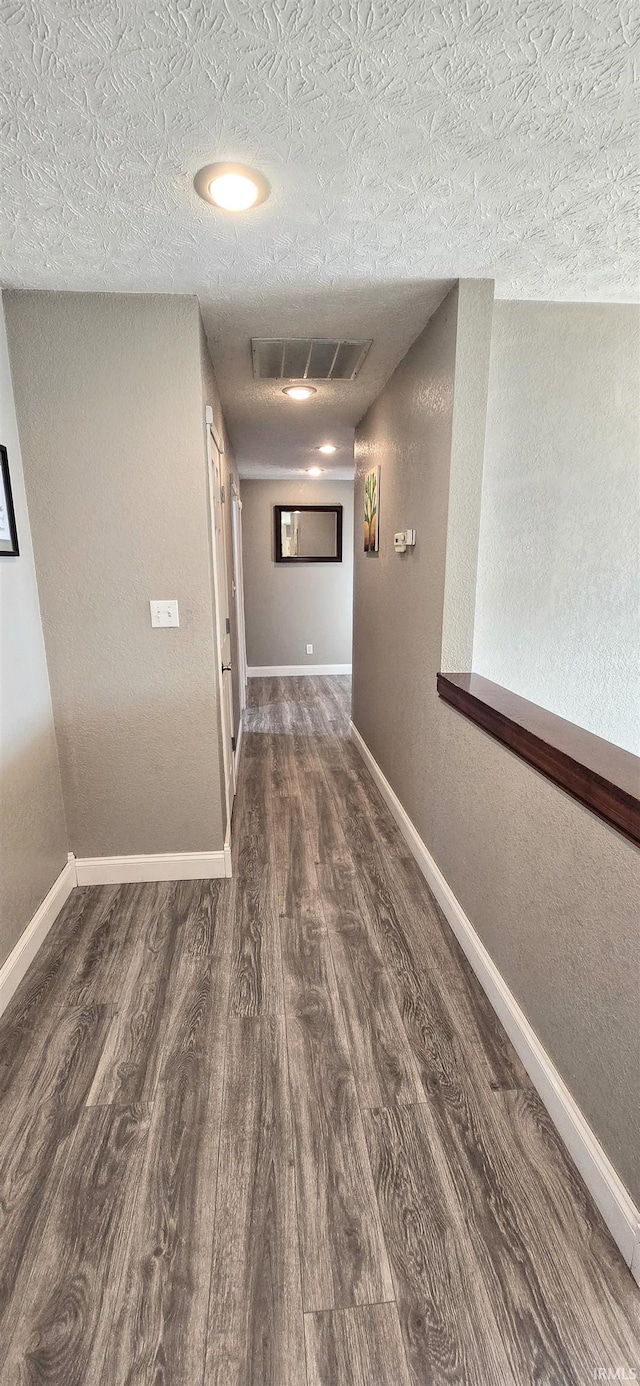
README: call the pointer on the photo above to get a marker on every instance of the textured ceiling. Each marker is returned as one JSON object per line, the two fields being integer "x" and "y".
{"x": 405, "y": 142}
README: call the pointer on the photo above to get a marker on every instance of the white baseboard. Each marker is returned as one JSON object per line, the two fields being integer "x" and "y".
{"x": 284, "y": 671}
{"x": 604, "y": 1184}
{"x": 22, "y": 955}
{"x": 162, "y": 866}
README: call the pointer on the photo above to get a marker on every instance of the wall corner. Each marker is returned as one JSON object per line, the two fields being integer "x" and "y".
{"x": 471, "y": 385}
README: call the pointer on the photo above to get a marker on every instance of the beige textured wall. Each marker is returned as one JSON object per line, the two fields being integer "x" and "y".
{"x": 552, "y": 891}
{"x": 287, "y": 607}
{"x": 558, "y": 609}
{"x": 33, "y": 834}
{"x": 108, "y": 394}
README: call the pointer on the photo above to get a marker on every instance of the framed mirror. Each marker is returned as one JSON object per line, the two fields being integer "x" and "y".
{"x": 308, "y": 533}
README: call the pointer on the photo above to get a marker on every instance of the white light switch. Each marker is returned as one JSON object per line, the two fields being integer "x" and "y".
{"x": 164, "y": 613}
{"x": 309, "y": 649}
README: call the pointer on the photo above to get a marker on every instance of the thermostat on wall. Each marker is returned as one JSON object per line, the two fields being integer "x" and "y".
{"x": 404, "y": 539}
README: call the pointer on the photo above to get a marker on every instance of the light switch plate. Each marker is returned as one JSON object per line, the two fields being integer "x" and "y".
{"x": 164, "y": 613}
{"x": 309, "y": 649}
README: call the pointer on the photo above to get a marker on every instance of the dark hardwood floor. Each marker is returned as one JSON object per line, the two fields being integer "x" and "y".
{"x": 269, "y": 1132}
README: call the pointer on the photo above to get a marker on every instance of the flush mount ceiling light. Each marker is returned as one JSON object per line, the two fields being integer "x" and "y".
{"x": 231, "y": 187}
{"x": 299, "y": 391}
{"x": 327, "y": 448}
{"x": 315, "y": 471}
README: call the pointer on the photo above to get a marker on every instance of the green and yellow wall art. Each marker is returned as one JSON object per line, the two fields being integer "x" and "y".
{"x": 371, "y": 510}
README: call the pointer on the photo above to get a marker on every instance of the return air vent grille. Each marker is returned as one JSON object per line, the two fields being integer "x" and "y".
{"x": 306, "y": 358}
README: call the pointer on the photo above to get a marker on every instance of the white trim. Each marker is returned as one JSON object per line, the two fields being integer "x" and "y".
{"x": 31, "y": 938}
{"x": 284, "y": 671}
{"x": 208, "y": 414}
{"x": 238, "y": 747}
{"x": 605, "y": 1186}
{"x": 227, "y": 852}
{"x": 162, "y": 866}
{"x": 238, "y": 578}
{"x": 219, "y": 576}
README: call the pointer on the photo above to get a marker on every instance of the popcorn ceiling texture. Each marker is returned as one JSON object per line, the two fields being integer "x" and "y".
{"x": 404, "y": 141}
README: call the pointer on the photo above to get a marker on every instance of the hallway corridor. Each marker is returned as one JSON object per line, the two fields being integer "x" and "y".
{"x": 268, "y": 1130}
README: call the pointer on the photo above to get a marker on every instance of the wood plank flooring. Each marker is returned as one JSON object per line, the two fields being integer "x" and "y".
{"x": 269, "y": 1132}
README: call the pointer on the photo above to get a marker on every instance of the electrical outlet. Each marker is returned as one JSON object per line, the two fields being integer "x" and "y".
{"x": 309, "y": 649}
{"x": 164, "y": 613}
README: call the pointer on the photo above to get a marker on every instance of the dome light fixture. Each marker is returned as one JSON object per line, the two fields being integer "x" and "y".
{"x": 299, "y": 391}
{"x": 231, "y": 187}
{"x": 315, "y": 471}
{"x": 327, "y": 448}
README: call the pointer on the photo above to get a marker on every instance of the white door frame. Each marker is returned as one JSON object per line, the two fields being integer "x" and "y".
{"x": 221, "y": 603}
{"x": 238, "y": 572}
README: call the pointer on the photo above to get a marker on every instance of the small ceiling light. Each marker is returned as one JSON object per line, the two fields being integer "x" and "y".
{"x": 315, "y": 471}
{"x": 299, "y": 391}
{"x": 232, "y": 187}
{"x": 327, "y": 448}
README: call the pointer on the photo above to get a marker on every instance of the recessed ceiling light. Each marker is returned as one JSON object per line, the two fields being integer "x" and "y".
{"x": 232, "y": 187}
{"x": 299, "y": 391}
{"x": 315, "y": 471}
{"x": 327, "y": 448}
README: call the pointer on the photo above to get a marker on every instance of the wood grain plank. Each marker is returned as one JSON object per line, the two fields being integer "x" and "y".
{"x": 356, "y": 1347}
{"x": 160, "y": 1316}
{"x": 32, "y": 1013}
{"x": 436, "y": 953}
{"x": 344, "y": 1261}
{"x": 342, "y": 1250}
{"x": 306, "y": 954}
{"x": 447, "y": 1017}
{"x": 66, "y": 1313}
{"x": 107, "y": 947}
{"x": 329, "y": 701}
{"x": 284, "y": 803}
{"x": 449, "y": 1328}
{"x": 361, "y": 807}
{"x": 38, "y": 1127}
{"x": 430, "y": 1029}
{"x": 128, "y": 1069}
{"x": 203, "y": 916}
{"x": 443, "y": 1044}
{"x": 383, "y": 1063}
{"x": 484, "y": 1187}
{"x": 256, "y": 978}
{"x": 516, "y": 1239}
{"x": 594, "y": 1302}
{"x": 381, "y": 1057}
{"x": 255, "y": 1333}
{"x": 328, "y": 842}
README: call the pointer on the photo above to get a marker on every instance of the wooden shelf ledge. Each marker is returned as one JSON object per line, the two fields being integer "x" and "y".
{"x": 598, "y": 774}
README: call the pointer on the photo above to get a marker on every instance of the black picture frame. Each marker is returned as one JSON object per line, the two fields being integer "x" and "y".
{"x": 9, "y": 548}
{"x": 326, "y": 509}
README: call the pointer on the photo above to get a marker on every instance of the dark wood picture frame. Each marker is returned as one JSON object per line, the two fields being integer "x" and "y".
{"x": 14, "y": 550}
{"x": 277, "y": 516}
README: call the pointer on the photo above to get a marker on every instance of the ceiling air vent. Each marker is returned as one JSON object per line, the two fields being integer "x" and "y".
{"x": 306, "y": 358}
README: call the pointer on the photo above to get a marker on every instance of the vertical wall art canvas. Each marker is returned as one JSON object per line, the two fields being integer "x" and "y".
{"x": 371, "y": 510}
{"x": 8, "y": 533}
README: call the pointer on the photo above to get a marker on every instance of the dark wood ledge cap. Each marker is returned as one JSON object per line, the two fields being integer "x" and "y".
{"x": 602, "y": 776}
